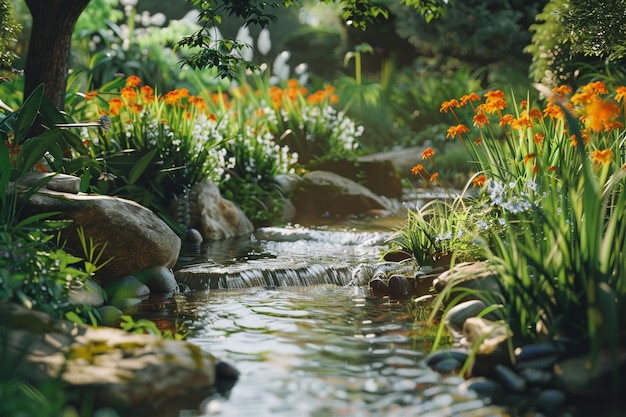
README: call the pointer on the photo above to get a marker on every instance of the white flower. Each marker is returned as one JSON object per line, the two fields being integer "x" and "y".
{"x": 264, "y": 43}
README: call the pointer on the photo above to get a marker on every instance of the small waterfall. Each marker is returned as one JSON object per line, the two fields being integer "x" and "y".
{"x": 266, "y": 273}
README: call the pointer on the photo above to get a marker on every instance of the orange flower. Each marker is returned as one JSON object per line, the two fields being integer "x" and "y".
{"x": 494, "y": 95}
{"x": 91, "y": 95}
{"x": 172, "y": 97}
{"x": 595, "y": 87}
{"x": 523, "y": 104}
{"x": 417, "y": 169}
{"x": 133, "y": 81}
{"x": 115, "y": 104}
{"x": 599, "y": 113}
{"x": 334, "y": 99}
{"x": 129, "y": 93}
{"x": 480, "y": 119}
{"x": 562, "y": 90}
{"x": 539, "y": 137}
{"x": 479, "y": 181}
{"x": 529, "y": 157}
{"x": 535, "y": 114}
{"x": 447, "y": 105}
{"x": 600, "y": 157}
{"x": 292, "y": 83}
{"x": 469, "y": 97}
{"x": 620, "y": 94}
{"x": 428, "y": 153}
{"x": 457, "y": 131}
{"x": 553, "y": 111}
{"x": 522, "y": 122}
{"x": 507, "y": 119}
{"x": 434, "y": 176}
{"x": 477, "y": 141}
{"x": 147, "y": 92}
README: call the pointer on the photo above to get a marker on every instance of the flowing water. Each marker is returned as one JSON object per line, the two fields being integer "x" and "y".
{"x": 290, "y": 309}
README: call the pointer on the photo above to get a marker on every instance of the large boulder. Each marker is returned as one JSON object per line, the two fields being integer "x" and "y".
{"x": 125, "y": 370}
{"x": 213, "y": 215}
{"x": 322, "y": 194}
{"x": 135, "y": 237}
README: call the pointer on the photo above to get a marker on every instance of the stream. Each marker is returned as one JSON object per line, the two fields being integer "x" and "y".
{"x": 291, "y": 310}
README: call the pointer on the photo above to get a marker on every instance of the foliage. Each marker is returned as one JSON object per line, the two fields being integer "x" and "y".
{"x": 569, "y": 36}
{"x": 8, "y": 34}
{"x": 559, "y": 189}
{"x": 33, "y": 272}
{"x": 226, "y": 54}
{"x": 476, "y": 32}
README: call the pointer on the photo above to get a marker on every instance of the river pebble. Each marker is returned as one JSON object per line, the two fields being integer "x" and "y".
{"x": 509, "y": 379}
{"x": 550, "y": 401}
{"x": 482, "y": 386}
{"x": 459, "y": 313}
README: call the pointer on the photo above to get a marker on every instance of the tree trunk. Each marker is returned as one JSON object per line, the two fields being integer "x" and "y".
{"x": 49, "y": 47}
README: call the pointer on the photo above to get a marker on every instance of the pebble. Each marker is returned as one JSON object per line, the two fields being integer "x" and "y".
{"x": 550, "y": 401}
{"x": 159, "y": 279}
{"x": 459, "y": 355}
{"x": 448, "y": 366}
{"x": 537, "y": 356}
{"x": 378, "y": 288}
{"x": 456, "y": 316}
{"x": 399, "y": 286}
{"x": 193, "y": 236}
{"x": 482, "y": 386}
{"x": 509, "y": 379}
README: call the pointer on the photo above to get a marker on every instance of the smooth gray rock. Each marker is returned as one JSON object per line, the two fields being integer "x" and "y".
{"x": 472, "y": 275}
{"x": 135, "y": 237}
{"x": 459, "y": 313}
{"x": 509, "y": 379}
{"x": 550, "y": 401}
{"x": 56, "y": 182}
{"x": 215, "y": 217}
{"x": 323, "y": 194}
{"x": 159, "y": 279}
{"x": 482, "y": 386}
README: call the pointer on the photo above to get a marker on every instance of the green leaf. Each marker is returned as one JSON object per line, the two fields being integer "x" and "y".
{"x": 35, "y": 148}
{"x": 27, "y": 114}
{"x": 139, "y": 168}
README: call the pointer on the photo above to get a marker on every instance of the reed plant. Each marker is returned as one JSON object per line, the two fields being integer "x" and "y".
{"x": 555, "y": 175}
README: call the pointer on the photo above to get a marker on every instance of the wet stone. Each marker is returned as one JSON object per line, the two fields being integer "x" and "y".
{"x": 482, "y": 386}
{"x": 448, "y": 366}
{"x": 550, "y": 401}
{"x": 537, "y": 356}
{"x": 536, "y": 377}
{"x": 399, "y": 286}
{"x": 378, "y": 288}
{"x": 509, "y": 379}
{"x": 459, "y": 355}
{"x": 424, "y": 301}
{"x": 455, "y": 319}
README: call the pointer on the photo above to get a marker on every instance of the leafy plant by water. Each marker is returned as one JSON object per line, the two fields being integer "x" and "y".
{"x": 556, "y": 177}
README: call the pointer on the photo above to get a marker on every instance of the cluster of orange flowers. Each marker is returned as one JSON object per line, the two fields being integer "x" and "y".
{"x": 135, "y": 97}
{"x": 278, "y": 96}
{"x": 421, "y": 171}
{"x": 596, "y": 112}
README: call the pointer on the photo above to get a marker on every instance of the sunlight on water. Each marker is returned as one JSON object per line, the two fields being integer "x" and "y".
{"x": 321, "y": 351}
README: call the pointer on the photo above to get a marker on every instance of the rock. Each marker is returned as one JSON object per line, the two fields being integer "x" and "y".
{"x": 159, "y": 279}
{"x": 488, "y": 334}
{"x": 399, "y": 287}
{"x": 127, "y": 292}
{"x": 424, "y": 301}
{"x": 459, "y": 355}
{"x": 127, "y": 371}
{"x": 459, "y": 313}
{"x": 482, "y": 386}
{"x": 135, "y": 237}
{"x": 323, "y": 194}
{"x": 448, "y": 366}
{"x": 55, "y": 182}
{"x": 193, "y": 236}
{"x": 576, "y": 376}
{"x": 90, "y": 295}
{"x": 535, "y": 377}
{"x": 110, "y": 315}
{"x": 509, "y": 379}
{"x": 379, "y": 176}
{"x": 397, "y": 256}
{"x": 378, "y": 288}
{"x": 475, "y": 276}
{"x": 214, "y": 216}
{"x": 287, "y": 182}
{"x": 550, "y": 401}
{"x": 423, "y": 283}
{"x": 538, "y": 355}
